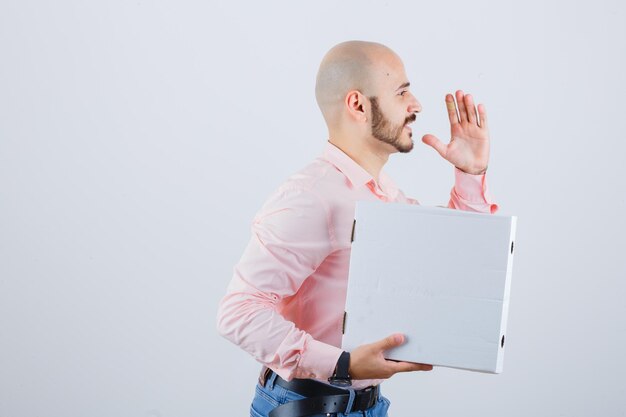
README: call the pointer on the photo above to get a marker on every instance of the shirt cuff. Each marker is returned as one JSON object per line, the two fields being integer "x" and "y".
{"x": 318, "y": 360}
{"x": 472, "y": 190}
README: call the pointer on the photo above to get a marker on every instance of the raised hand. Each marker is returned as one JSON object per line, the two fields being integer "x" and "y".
{"x": 468, "y": 149}
{"x": 368, "y": 361}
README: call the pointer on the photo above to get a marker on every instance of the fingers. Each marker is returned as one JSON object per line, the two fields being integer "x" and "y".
{"x": 482, "y": 113}
{"x": 467, "y": 109}
{"x": 389, "y": 342}
{"x": 410, "y": 367}
{"x": 439, "y": 146}
{"x": 460, "y": 102}
{"x": 472, "y": 117}
{"x": 451, "y": 106}
{"x": 368, "y": 361}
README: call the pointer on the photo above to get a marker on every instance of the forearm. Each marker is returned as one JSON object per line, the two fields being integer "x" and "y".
{"x": 250, "y": 319}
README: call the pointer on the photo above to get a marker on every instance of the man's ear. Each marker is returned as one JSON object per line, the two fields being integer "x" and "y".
{"x": 356, "y": 104}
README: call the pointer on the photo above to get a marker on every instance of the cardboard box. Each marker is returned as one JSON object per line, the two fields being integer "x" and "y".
{"x": 440, "y": 276}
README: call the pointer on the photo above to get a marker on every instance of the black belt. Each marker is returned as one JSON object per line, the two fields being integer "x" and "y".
{"x": 321, "y": 398}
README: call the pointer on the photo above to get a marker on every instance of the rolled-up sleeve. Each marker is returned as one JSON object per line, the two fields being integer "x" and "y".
{"x": 291, "y": 237}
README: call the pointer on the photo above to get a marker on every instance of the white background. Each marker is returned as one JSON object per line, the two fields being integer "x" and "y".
{"x": 138, "y": 139}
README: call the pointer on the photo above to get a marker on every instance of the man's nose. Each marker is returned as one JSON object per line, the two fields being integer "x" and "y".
{"x": 414, "y": 105}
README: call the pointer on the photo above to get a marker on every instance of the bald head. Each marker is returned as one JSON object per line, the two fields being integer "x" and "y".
{"x": 348, "y": 66}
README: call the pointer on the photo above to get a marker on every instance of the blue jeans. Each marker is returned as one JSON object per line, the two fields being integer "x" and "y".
{"x": 271, "y": 396}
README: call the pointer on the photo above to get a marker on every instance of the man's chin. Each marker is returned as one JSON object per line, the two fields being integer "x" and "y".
{"x": 405, "y": 145}
{"x": 405, "y": 149}
{"x": 402, "y": 144}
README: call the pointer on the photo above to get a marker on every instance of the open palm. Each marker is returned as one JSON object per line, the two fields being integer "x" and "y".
{"x": 468, "y": 149}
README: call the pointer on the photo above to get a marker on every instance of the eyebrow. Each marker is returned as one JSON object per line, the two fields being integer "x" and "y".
{"x": 406, "y": 84}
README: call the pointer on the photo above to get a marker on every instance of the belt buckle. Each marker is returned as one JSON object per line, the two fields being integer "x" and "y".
{"x": 376, "y": 392}
{"x": 373, "y": 395}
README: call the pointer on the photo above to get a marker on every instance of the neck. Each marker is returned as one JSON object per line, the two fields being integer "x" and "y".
{"x": 367, "y": 154}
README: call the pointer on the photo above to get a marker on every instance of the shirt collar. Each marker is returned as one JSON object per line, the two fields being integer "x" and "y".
{"x": 355, "y": 172}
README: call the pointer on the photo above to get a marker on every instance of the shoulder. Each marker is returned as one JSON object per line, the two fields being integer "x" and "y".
{"x": 316, "y": 183}
{"x": 319, "y": 175}
{"x": 298, "y": 210}
{"x": 302, "y": 192}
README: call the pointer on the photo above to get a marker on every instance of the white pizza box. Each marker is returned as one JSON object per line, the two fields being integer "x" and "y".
{"x": 441, "y": 277}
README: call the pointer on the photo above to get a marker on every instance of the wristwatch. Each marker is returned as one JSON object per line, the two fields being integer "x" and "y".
{"x": 341, "y": 376}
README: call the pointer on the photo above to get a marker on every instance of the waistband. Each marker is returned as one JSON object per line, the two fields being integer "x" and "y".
{"x": 319, "y": 398}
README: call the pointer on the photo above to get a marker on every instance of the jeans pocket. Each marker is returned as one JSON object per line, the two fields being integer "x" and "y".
{"x": 263, "y": 402}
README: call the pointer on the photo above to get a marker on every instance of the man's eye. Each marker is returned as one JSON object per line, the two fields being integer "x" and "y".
{"x": 403, "y": 92}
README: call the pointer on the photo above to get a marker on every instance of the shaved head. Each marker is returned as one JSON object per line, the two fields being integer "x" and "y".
{"x": 346, "y": 67}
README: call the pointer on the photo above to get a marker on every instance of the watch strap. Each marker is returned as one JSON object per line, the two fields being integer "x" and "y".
{"x": 341, "y": 376}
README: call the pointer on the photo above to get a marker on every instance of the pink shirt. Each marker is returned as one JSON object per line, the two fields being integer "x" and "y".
{"x": 285, "y": 302}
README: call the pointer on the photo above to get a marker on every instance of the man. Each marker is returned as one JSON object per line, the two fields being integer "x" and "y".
{"x": 286, "y": 299}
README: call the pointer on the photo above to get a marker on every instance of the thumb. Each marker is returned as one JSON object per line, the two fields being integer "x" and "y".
{"x": 389, "y": 342}
{"x": 431, "y": 140}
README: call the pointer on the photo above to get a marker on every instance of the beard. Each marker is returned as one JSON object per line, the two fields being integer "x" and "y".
{"x": 387, "y": 132}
